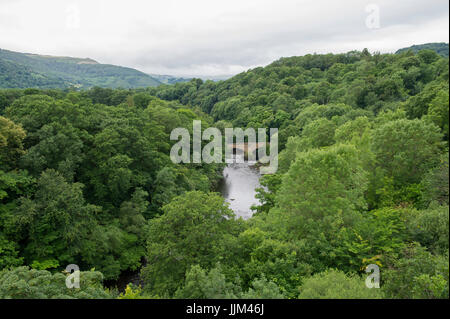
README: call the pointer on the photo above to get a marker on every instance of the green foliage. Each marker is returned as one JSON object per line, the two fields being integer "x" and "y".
{"x": 430, "y": 228}
{"x": 321, "y": 183}
{"x": 189, "y": 232}
{"x": 351, "y": 131}
{"x": 25, "y": 283}
{"x": 263, "y": 289}
{"x": 406, "y": 149}
{"x": 200, "y": 284}
{"x": 267, "y": 193}
{"x": 334, "y": 284}
{"x": 373, "y": 236}
{"x": 417, "y": 274}
{"x": 11, "y": 147}
{"x": 132, "y": 292}
{"x": 9, "y": 255}
{"x": 58, "y": 222}
{"x": 44, "y": 265}
{"x": 318, "y": 133}
{"x": 282, "y": 262}
{"x": 436, "y": 183}
{"x": 429, "y": 100}
{"x": 438, "y": 112}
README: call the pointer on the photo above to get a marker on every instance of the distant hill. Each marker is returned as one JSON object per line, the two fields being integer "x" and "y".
{"x": 441, "y": 48}
{"x": 169, "y": 79}
{"x": 23, "y": 70}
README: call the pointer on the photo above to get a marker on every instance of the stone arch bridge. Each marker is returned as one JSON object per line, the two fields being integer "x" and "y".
{"x": 247, "y": 148}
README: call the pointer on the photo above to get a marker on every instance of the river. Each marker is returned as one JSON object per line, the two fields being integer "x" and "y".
{"x": 238, "y": 187}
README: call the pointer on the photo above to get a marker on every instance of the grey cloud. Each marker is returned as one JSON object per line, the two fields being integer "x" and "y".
{"x": 181, "y": 39}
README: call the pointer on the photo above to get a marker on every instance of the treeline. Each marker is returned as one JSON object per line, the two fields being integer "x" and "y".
{"x": 440, "y": 48}
{"x": 85, "y": 178}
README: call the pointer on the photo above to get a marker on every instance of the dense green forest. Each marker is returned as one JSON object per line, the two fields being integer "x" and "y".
{"x": 22, "y": 70}
{"x": 86, "y": 179}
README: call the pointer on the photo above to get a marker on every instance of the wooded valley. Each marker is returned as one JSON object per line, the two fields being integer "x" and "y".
{"x": 86, "y": 179}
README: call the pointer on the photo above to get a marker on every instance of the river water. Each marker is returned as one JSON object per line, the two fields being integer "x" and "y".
{"x": 238, "y": 186}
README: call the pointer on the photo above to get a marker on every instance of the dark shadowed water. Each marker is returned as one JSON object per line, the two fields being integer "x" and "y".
{"x": 238, "y": 187}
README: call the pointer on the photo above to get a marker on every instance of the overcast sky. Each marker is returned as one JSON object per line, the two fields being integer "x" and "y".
{"x": 215, "y": 37}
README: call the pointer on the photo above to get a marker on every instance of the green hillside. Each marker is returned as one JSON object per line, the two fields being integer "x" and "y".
{"x": 440, "y": 48}
{"x": 22, "y": 70}
{"x": 14, "y": 75}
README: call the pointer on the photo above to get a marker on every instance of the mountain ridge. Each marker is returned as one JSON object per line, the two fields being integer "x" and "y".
{"x": 30, "y": 70}
{"x": 20, "y": 70}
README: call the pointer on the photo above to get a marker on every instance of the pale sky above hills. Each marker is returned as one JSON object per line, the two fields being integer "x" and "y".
{"x": 211, "y": 37}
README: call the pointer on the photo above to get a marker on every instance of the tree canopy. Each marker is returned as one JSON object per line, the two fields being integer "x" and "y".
{"x": 86, "y": 178}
